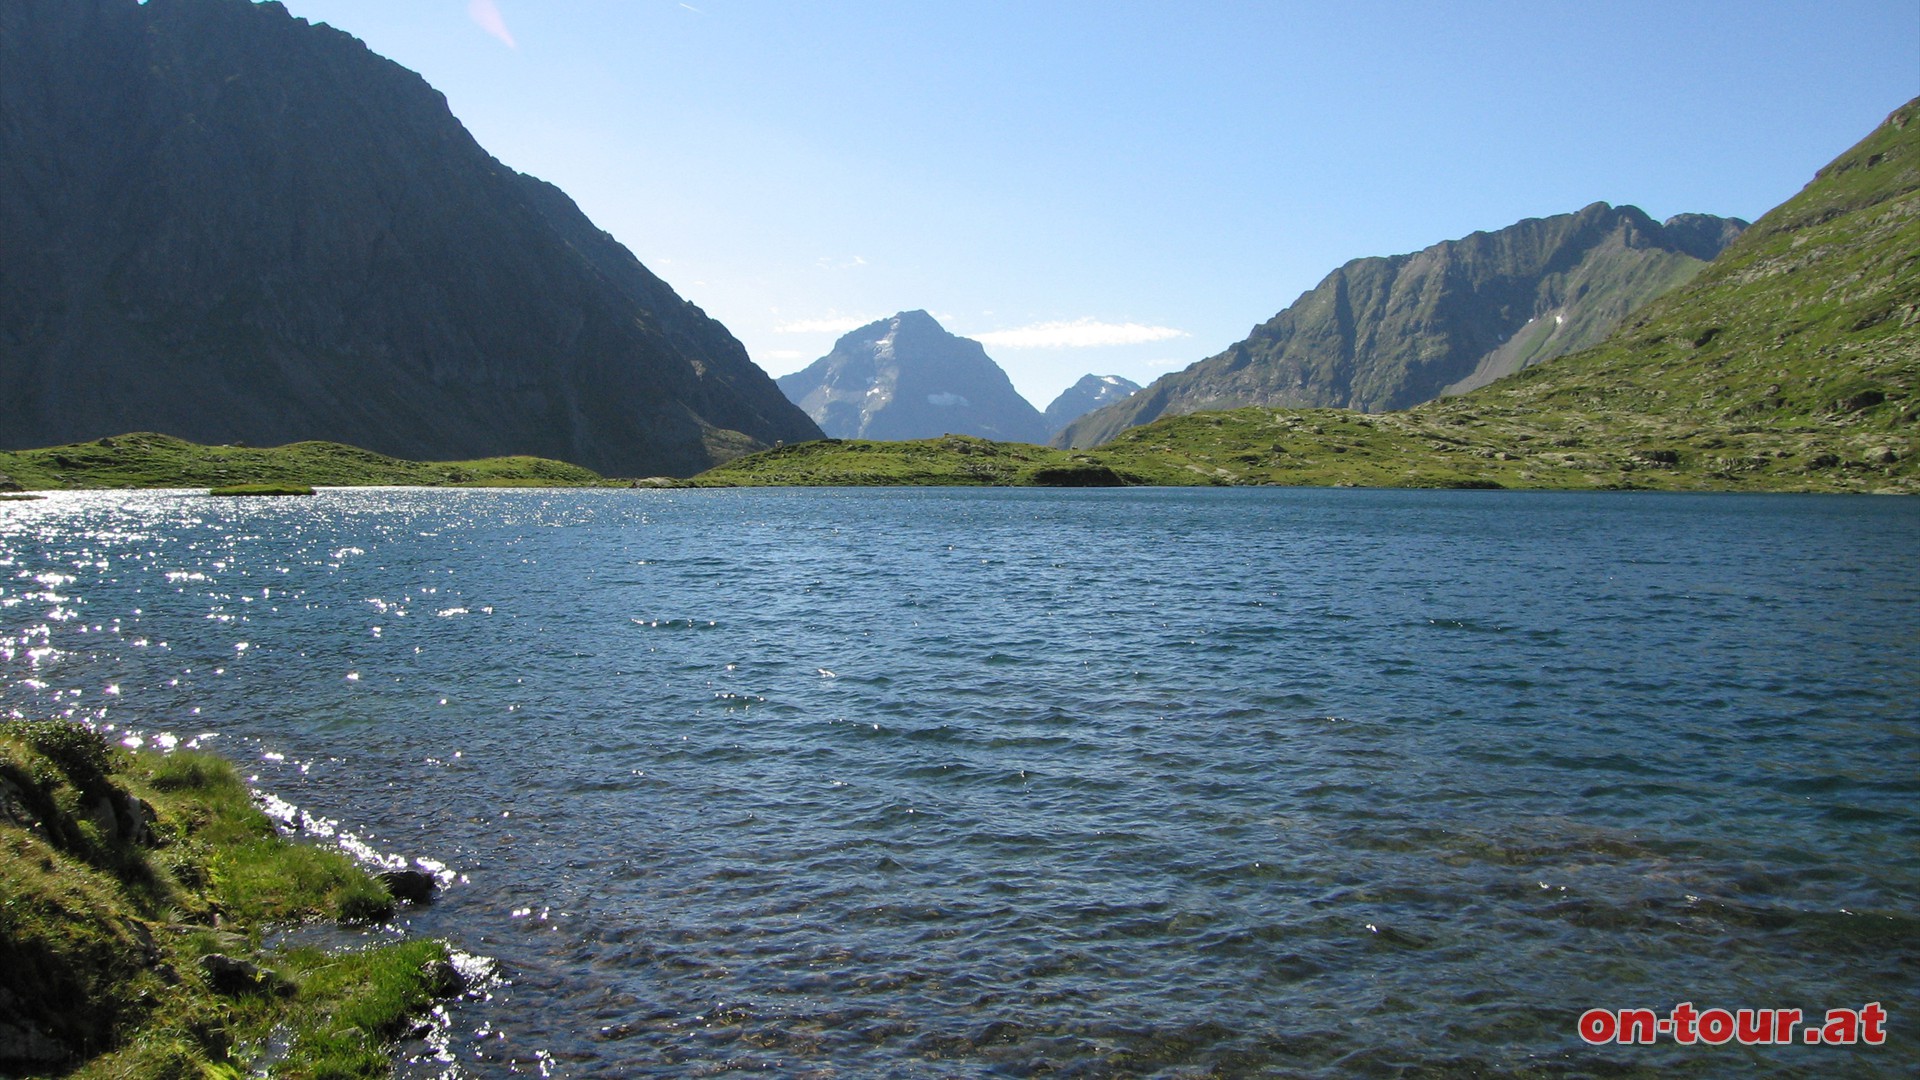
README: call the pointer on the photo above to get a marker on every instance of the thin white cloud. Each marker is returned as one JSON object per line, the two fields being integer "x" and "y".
{"x": 1078, "y": 334}
{"x": 834, "y": 324}
{"x": 1165, "y": 363}
{"x": 486, "y": 15}
{"x": 830, "y": 262}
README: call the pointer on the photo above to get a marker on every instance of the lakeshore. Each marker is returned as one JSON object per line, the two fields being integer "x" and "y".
{"x": 141, "y": 888}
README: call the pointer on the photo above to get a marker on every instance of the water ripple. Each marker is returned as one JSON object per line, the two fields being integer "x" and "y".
{"x": 999, "y": 783}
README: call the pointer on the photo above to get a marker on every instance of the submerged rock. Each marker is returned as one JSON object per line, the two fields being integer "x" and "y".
{"x": 409, "y": 886}
{"x": 443, "y": 979}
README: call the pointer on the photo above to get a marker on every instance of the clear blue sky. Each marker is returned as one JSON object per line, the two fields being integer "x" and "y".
{"x": 1123, "y": 187}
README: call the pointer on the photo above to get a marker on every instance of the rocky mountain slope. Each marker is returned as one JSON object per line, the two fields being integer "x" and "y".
{"x": 908, "y": 378}
{"x": 1090, "y": 393}
{"x": 1792, "y": 362}
{"x": 221, "y": 222}
{"x": 1390, "y": 333}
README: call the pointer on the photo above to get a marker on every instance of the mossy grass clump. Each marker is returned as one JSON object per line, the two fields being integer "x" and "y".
{"x": 133, "y": 885}
{"x": 78, "y": 752}
{"x": 355, "y": 1004}
{"x": 244, "y": 490}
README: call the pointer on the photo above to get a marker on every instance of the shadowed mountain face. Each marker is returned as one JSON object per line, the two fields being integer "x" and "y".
{"x": 1390, "y": 333}
{"x": 907, "y": 378}
{"x": 1090, "y": 393}
{"x": 224, "y": 223}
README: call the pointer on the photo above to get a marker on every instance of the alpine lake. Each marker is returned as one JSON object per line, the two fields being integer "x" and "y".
{"x": 994, "y": 782}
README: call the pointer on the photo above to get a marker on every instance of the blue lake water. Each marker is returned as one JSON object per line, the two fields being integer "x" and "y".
{"x": 1005, "y": 783}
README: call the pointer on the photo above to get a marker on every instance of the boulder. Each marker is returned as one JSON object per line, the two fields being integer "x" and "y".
{"x": 101, "y": 813}
{"x": 23, "y": 1045}
{"x": 136, "y": 819}
{"x": 14, "y": 807}
{"x": 122, "y": 816}
{"x": 229, "y": 975}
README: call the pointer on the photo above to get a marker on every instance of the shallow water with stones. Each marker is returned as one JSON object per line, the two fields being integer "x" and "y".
{"x": 970, "y": 783}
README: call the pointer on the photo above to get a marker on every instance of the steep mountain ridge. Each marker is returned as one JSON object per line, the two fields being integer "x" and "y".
{"x": 222, "y": 222}
{"x": 908, "y": 378}
{"x": 1389, "y": 333}
{"x": 1792, "y": 362}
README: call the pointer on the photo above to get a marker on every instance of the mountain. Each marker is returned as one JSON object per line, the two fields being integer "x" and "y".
{"x": 1791, "y": 363}
{"x": 1808, "y": 324}
{"x": 908, "y": 378}
{"x": 221, "y": 222}
{"x": 1090, "y": 393}
{"x": 1390, "y": 333}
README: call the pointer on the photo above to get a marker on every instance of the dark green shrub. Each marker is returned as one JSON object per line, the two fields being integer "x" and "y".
{"x": 79, "y": 752}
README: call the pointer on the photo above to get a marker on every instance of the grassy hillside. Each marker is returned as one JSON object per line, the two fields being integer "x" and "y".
{"x": 949, "y": 461}
{"x": 137, "y": 887}
{"x": 1425, "y": 448}
{"x": 1810, "y": 322}
{"x": 1465, "y": 447}
{"x": 146, "y": 460}
{"x": 1789, "y": 364}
